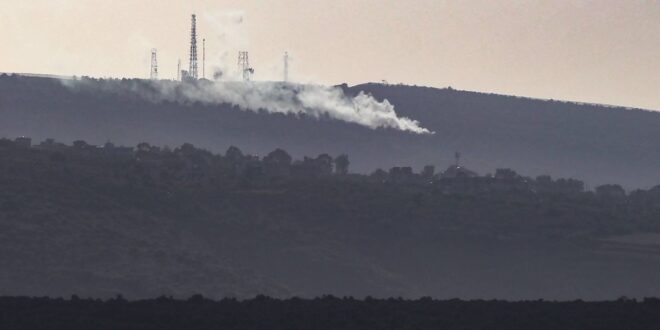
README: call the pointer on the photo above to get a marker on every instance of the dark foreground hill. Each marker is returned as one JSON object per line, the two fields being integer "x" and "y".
{"x": 595, "y": 143}
{"x": 198, "y": 313}
{"x": 150, "y": 221}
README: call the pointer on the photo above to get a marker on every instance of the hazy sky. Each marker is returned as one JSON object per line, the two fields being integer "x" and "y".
{"x": 603, "y": 51}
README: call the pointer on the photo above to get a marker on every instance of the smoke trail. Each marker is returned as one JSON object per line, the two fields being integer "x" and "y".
{"x": 275, "y": 97}
{"x": 227, "y": 38}
{"x": 311, "y": 100}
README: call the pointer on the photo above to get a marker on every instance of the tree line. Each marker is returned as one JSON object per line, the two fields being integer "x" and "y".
{"x": 149, "y": 175}
{"x": 325, "y": 312}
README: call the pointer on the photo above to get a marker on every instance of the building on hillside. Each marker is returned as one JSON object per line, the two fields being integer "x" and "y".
{"x": 457, "y": 171}
{"x": 313, "y": 167}
{"x": 51, "y": 144}
{"x": 24, "y": 142}
{"x": 401, "y": 174}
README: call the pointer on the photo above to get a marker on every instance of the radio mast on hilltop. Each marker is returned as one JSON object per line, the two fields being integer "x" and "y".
{"x": 286, "y": 66}
{"x": 244, "y": 65}
{"x": 204, "y": 58}
{"x": 178, "y": 70}
{"x": 154, "y": 65}
{"x": 193, "y": 48}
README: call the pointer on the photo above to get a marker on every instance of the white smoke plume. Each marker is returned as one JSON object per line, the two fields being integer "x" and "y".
{"x": 310, "y": 100}
{"x": 228, "y": 36}
{"x": 275, "y": 97}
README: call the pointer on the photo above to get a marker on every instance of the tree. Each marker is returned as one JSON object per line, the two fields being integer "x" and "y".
{"x": 506, "y": 174}
{"x": 143, "y": 147}
{"x": 277, "y": 163}
{"x": 610, "y": 190}
{"x": 234, "y": 154}
{"x": 324, "y": 164}
{"x": 379, "y": 175}
{"x": 341, "y": 164}
{"x": 80, "y": 144}
{"x": 428, "y": 172}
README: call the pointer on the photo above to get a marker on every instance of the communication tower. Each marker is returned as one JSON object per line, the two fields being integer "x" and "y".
{"x": 244, "y": 65}
{"x": 204, "y": 58}
{"x": 154, "y": 65}
{"x": 286, "y": 66}
{"x": 192, "y": 72}
{"x": 457, "y": 159}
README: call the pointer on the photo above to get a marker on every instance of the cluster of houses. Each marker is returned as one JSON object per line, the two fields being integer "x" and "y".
{"x": 51, "y": 144}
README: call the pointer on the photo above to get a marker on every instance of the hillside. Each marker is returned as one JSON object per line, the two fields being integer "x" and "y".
{"x": 595, "y": 143}
{"x": 592, "y": 142}
{"x": 150, "y": 221}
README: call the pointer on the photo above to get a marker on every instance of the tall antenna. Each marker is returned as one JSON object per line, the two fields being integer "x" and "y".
{"x": 286, "y": 66}
{"x": 193, "y": 48}
{"x": 154, "y": 65}
{"x": 457, "y": 158}
{"x": 244, "y": 65}
{"x": 204, "y": 58}
{"x": 178, "y": 70}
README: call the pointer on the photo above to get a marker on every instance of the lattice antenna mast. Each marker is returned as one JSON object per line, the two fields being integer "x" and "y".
{"x": 178, "y": 70}
{"x": 154, "y": 65}
{"x": 457, "y": 158}
{"x": 286, "y": 66}
{"x": 204, "y": 58}
{"x": 244, "y": 65}
{"x": 193, "y": 48}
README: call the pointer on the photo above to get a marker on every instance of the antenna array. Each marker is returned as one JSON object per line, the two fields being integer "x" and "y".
{"x": 193, "y": 48}
{"x": 154, "y": 65}
{"x": 244, "y": 65}
{"x": 286, "y": 66}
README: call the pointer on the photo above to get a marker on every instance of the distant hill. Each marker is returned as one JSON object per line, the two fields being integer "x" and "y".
{"x": 593, "y": 142}
{"x": 596, "y": 143}
{"x": 143, "y": 222}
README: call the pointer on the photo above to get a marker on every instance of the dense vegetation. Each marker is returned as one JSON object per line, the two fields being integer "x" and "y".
{"x": 150, "y": 176}
{"x": 325, "y": 313}
{"x": 146, "y": 221}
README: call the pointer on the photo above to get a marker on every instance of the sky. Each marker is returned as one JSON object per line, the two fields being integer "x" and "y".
{"x": 605, "y": 51}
